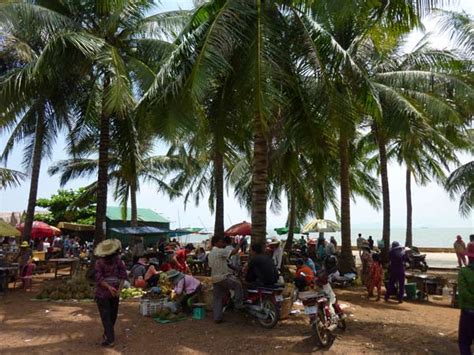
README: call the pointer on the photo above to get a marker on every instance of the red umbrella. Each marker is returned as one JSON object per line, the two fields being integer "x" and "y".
{"x": 38, "y": 230}
{"x": 244, "y": 228}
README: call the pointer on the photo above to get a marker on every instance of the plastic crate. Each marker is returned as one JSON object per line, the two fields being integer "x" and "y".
{"x": 149, "y": 307}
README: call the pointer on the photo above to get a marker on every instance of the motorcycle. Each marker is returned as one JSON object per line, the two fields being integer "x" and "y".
{"x": 263, "y": 303}
{"x": 323, "y": 319}
{"x": 415, "y": 260}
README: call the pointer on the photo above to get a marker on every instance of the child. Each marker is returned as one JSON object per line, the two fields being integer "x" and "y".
{"x": 27, "y": 274}
{"x": 375, "y": 276}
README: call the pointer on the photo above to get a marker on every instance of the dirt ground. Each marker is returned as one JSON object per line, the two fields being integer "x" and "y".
{"x": 28, "y": 326}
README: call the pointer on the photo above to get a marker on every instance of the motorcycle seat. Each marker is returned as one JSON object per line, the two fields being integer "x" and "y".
{"x": 267, "y": 288}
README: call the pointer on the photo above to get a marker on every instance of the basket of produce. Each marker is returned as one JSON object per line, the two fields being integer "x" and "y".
{"x": 131, "y": 293}
{"x": 75, "y": 289}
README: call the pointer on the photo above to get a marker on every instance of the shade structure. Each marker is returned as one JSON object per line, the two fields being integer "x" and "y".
{"x": 143, "y": 230}
{"x": 40, "y": 230}
{"x": 6, "y": 230}
{"x": 77, "y": 227}
{"x": 321, "y": 226}
{"x": 285, "y": 230}
{"x": 244, "y": 228}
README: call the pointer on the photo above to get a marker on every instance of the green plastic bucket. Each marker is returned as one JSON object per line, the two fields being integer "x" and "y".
{"x": 410, "y": 289}
{"x": 199, "y": 312}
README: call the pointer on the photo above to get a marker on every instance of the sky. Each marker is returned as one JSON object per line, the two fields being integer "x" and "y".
{"x": 432, "y": 206}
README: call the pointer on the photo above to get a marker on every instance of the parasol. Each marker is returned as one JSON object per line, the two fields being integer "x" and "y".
{"x": 244, "y": 228}
{"x": 40, "y": 230}
{"x": 321, "y": 226}
{"x": 284, "y": 230}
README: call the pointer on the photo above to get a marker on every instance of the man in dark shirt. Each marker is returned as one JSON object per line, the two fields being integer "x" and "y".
{"x": 261, "y": 269}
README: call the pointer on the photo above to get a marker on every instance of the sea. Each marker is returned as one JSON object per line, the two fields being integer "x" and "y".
{"x": 422, "y": 237}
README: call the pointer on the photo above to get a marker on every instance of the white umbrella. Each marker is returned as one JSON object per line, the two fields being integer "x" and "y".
{"x": 321, "y": 226}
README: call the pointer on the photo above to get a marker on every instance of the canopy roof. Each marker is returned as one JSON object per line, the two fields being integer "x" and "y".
{"x": 6, "y": 230}
{"x": 143, "y": 230}
{"x": 144, "y": 214}
{"x": 77, "y": 227}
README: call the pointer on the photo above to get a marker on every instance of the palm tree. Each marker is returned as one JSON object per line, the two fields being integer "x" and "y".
{"x": 35, "y": 111}
{"x": 111, "y": 43}
{"x": 10, "y": 178}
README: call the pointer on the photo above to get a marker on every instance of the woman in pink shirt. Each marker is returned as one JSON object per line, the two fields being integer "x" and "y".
{"x": 186, "y": 288}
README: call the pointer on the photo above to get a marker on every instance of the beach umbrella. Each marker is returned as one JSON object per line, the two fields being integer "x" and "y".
{"x": 321, "y": 226}
{"x": 284, "y": 230}
{"x": 6, "y": 230}
{"x": 244, "y": 228}
{"x": 39, "y": 230}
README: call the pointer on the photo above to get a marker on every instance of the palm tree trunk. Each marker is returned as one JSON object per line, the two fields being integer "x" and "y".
{"x": 347, "y": 260}
{"x": 385, "y": 196}
{"x": 291, "y": 221}
{"x": 35, "y": 171}
{"x": 102, "y": 179}
{"x": 409, "y": 235}
{"x": 259, "y": 186}
{"x": 133, "y": 203}
{"x": 219, "y": 186}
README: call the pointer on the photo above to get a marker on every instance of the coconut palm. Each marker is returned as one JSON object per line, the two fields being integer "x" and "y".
{"x": 111, "y": 43}
{"x": 35, "y": 111}
{"x": 10, "y": 178}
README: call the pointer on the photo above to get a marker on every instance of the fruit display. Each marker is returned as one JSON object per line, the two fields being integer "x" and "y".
{"x": 131, "y": 293}
{"x": 72, "y": 289}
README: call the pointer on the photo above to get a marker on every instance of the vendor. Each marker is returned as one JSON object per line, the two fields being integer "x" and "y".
{"x": 138, "y": 270}
{"x": 180, "y": 256}
{"x": 186, "y": 287}
{"x": 152, "y": 275}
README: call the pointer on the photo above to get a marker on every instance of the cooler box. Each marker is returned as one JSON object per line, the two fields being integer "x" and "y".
{"x": 410, "y": 289}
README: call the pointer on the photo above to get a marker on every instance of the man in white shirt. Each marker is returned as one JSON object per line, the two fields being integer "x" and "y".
{"x": 222, "y": 278}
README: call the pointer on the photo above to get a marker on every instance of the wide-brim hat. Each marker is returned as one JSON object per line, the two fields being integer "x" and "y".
{"x": 107, "y": 247}
{"x": 172, "y": 274}
{"x": 470, "y": 250}
{"x": 274, "y": 241}
{"x": 24, "y": 245}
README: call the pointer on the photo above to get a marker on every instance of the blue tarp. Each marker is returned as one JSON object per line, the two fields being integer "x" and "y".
{"x": 144, "y": 230}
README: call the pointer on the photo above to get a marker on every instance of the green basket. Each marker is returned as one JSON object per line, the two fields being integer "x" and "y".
{"x": 410, "y": 289}
{"x": 199, "y": 312}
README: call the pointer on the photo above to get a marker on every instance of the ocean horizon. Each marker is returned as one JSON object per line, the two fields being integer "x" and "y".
{"x": 422, "y": 236}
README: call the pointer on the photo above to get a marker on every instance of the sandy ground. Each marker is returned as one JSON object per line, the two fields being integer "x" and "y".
{"x": 373, "y": 327}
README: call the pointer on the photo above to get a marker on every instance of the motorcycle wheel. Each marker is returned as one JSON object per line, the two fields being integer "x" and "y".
{"x": 323, "y": 336}
{"x": 273, "y": 315}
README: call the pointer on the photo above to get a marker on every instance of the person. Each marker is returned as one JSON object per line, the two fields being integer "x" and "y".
{"x": 360, "y": 242}
{"x": 27, "y": 274}
{"x": 376, "y": 276}
{"x": 110, "y": 274}
{"x": 371, "y": 242}
{"x": 24, "y": 256}
{"x": 138, "y": 270}
{"x": 321, "y": 248}
{"x": 138, "y": 250}
{"x": 460, "y": 249}
{"x": 186, "y": 288}
{"x": 471, "y": 238}
{"x": 309, "y": 262}
{"x": 302, "y": 242}
{"x": 152, "y": 275}
{"x": 334, "y": 242}
{"x": 396, "y": 271}
{"x": 277, "y": 252}
{"x": 366, "y": 259}
{"x": 222, "y": 278}
{"x": 330, "y": 249}
{"x": 466, "y": 303}
{"x": 234, "y": 262}
{"x": 180, "y": 258}
{"x": 304, "y": 275}
{"x": 262, "y": 271}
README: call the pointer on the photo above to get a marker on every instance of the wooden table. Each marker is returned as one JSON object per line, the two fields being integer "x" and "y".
{"x": 70, "y": 262}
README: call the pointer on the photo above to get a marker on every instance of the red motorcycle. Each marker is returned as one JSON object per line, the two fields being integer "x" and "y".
{"x": 324, "y": 317}
{"x": 263, "y": 303}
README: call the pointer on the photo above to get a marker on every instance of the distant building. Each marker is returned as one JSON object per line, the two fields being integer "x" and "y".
{"x": 151, "y": 225}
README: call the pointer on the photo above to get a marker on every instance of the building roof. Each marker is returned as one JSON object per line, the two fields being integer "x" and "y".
{"x": 145, "y": 230}
{"x": 144, "y": 214}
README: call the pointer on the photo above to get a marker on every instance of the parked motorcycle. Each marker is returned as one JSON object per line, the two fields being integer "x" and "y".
{"x": 263, "y": 303}
{"x": 324, "y": 317}
{"x": 415, "y": 260}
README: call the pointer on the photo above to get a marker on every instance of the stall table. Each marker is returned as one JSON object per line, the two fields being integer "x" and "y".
{"x": 70, "y": 262}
